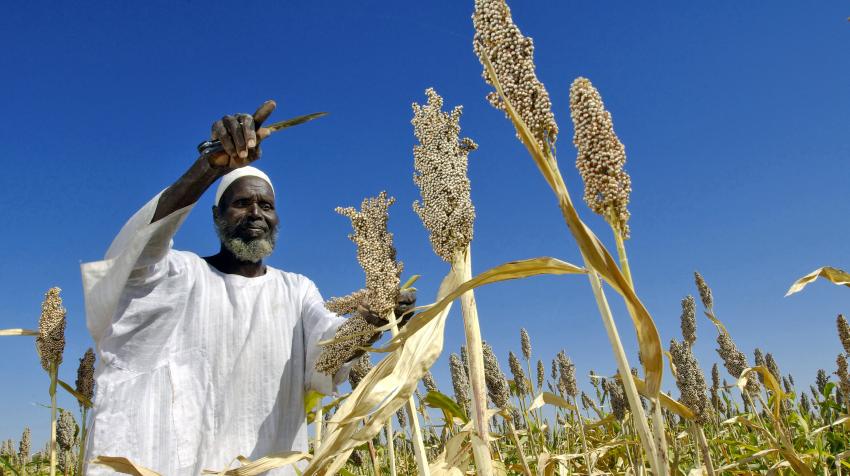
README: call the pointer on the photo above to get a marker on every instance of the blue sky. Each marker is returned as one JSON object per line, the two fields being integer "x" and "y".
{"x": 734, "y": 117}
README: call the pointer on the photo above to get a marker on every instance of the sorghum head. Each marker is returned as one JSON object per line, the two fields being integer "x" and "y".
{"x": 525, "y": 343}
{"x": 704, "y": 291}
{"x": 601, "y": 156}
{"x": 520, "y": 382}
{"x": 460, "y": 381}
{"x": 51, "y": 330}
{"x": 440, "y": 172}
{"x": 689, "y": 320}
{"x": 690, "y": 380}
{"x": 85, "y": 375}
{"x": 843, "y": 332}
{"x": 497, "y": 384}
{"x": 511, "y": 55}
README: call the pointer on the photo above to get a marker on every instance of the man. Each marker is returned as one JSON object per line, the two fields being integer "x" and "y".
{"x": 205, "y": 359}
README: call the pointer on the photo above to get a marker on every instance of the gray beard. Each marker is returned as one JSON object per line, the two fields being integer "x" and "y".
{"x": 252, "y": 251}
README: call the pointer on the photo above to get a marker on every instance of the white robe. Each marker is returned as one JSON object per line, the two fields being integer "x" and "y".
{"x": 196, "y": 366}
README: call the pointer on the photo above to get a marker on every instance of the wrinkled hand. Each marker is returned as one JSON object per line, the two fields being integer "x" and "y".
{"x": 405, "y": 304}
{"x": 240, "y": 135}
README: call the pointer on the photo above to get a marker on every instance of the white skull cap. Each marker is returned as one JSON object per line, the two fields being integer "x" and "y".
{"x": 237, "y": 174}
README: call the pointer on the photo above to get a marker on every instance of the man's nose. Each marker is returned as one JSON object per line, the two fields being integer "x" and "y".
{"x": 254, "y": 210}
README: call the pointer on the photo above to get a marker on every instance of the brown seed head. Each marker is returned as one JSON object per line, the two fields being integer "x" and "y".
{"x": 704, "y": 291}
{"x": 497, "y": 385}
{"x": 428, "y": 381}
{"x": 24, "y": 447}
{"x": 85, "y": 375}
{"x": 511, "y": 54}
{"x": 541, "y": 374}
{"x": 690, "y": 380}
{"x": 805, "y": 405}
{"x": 440, "y": 172}
{"x": 358, "y": 371}
{"x": 616, "y": 397}
{"x": 772, "y": 366}
{"x": 50, "y": 342}
{"x": 689, "y": 320}
{"x": 334, "y": 355}
{"x": 567, "y": 375}
{"x": 601, "y": 156}
{"x": 759, "y": 361}
{"x": 460, "y": 381}
{"x": 347, "y": 304}
{"x": 843, "y": 375}
{"x": 66, "y": 428}
{"x": 375, "y": 252}
{"x": 821, "y": 380}
{"x": 520, "y": 382}
{"x": 843, "y": 332}
{"x": 525, "y": 343}
{"x": 734, "y": 360}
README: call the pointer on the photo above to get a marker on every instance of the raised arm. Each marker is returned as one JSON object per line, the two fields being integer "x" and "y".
{"x": 241, "y": 141}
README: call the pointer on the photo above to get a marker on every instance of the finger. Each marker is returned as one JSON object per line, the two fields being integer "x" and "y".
{"x": 248, "y": 130}
{"x": 235, "y": 131}
{"x": 220, "y": 133}
{"x": 263, "y": 112}
{"x": 407, "y": 296}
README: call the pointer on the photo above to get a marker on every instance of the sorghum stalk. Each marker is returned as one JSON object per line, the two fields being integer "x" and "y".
{"x": 507, "y": 56}
{"x": 85, "y": 387}
{"x": 50, "y": 344}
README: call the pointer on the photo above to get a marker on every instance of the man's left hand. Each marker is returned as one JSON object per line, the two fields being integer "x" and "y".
{"x": 405, "y": 304}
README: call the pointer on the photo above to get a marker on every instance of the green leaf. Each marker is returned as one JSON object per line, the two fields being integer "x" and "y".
{"x": 446, "y": 404}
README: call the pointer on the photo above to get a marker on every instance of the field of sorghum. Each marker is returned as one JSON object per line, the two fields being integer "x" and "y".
{"x": 749, "y": 418}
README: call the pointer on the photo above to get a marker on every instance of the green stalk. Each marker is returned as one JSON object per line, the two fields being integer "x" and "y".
{"x": 83, "y": 436}
{"x": 53, "y": 378}
{"x": 521, "y": 454}
{"x": 587, "y": 462}
{"x": 462, "y": 264}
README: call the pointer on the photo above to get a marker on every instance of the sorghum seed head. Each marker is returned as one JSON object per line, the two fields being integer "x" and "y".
{"x": 821, "y": 380}
{"x": 464, "y": 356}
{"x": 689, "y": 320}
{"x": 805, "y": 404}
{"x": 66, "y": 428}
{"x": 85, "y": 375}
{"x": 786, "y": 384}
{"x": 440, "y": 172}
{"x": 50, "y": 342}
{"x": 402, "y": 417}
{"x": 759, "y": 361}
{"x": 601, "y": 156}
{"x": 359, "y": 370}
{"x": 460, "y": 381}
{"x": 511, "y": 55}
{"x": 428, "y": 381}
{"x": 375, "y": 252}
{"x": 843, "y": 332}
{"x": 347, "y": 304}
{"x": 334, "y": 355}
{"x": 541, "y": 374}
{"x": 734, "y": 360}
{"x": 791, "y": 379}
{"x": 520, "y": 382}
{"x": 567, "y": 373}
{"x": 843, "y": 374}
{"x": 715, "y": 377}
{"x": 772, "y": 366}
{"x": 497, "y": 384}
{"x": 24, "y": 447}
{"x": 704, "y": 291}
{"x": 617, "y": 397}
{"x": 356, "y": 458}
{"x": 690, "y": 380}
{"x": 525, "y": 343}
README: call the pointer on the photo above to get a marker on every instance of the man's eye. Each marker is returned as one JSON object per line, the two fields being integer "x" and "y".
{"x": 266, "y": 206}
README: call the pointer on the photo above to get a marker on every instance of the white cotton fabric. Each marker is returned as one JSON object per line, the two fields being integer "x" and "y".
{"x": 198, "y": 367}
{"x": 230, "y": 177}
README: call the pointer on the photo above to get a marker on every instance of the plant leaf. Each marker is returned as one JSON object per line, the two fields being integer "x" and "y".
{"x": 442, "y": 401}
{"x": 835, "y": 275}
{"x": 18, "y": 332}
{"x": 123, "y": 465}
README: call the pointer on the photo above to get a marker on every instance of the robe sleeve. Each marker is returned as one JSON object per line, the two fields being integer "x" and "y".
{"x": 136, "y": 254}
{"x": 319, "y": 324}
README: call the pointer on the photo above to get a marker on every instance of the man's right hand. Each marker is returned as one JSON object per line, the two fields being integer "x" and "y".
{"x": 240, "y": 135}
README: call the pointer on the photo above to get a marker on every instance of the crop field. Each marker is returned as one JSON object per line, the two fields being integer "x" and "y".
{"x": 512, "y": 410}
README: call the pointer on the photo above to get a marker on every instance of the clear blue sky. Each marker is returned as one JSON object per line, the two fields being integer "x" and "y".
{"x": 735, "y": 119}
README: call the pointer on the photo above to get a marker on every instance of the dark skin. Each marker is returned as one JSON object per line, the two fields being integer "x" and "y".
{"x": 248, "y": 204}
